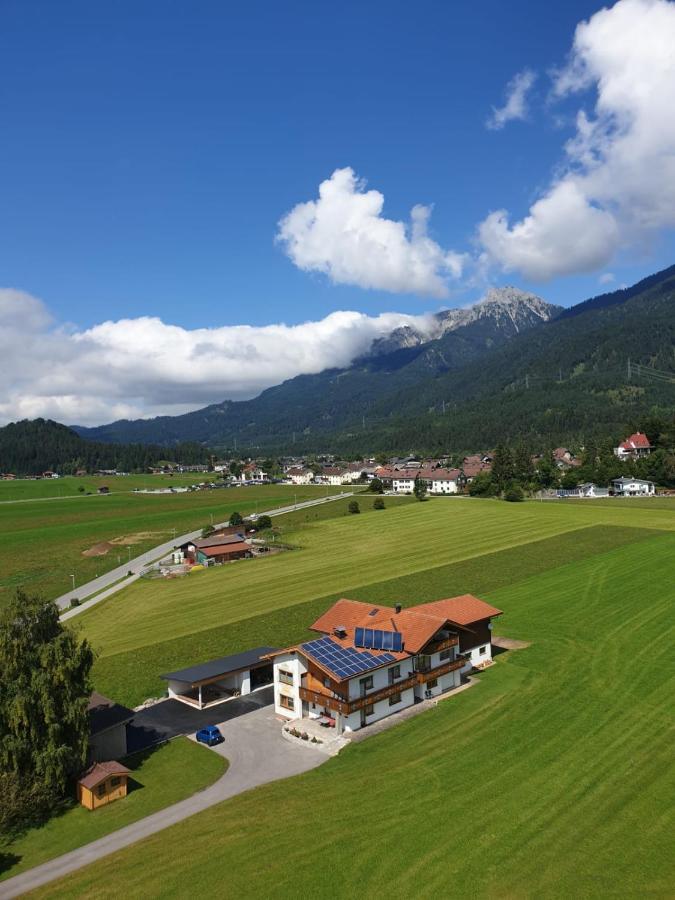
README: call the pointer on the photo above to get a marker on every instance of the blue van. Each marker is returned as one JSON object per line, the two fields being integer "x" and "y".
{"x": 210, "y": 735}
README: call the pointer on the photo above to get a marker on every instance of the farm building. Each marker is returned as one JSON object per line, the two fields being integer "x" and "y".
{"x": 218, "y": 548}
{"x": 634, "y": 447}
{"x": 219, "y": 680}
{"x": 107, "y": 728}
{"x": 372, "y": 661}
{"x": 102, "y": 783}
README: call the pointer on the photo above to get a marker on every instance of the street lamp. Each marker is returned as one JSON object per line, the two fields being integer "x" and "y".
{"x": 73, "y": 577}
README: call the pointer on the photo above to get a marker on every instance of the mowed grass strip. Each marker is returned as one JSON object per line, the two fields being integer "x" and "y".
{"x": 335, "y": 553}
{"x": 41, "y": 543}
{"x": 69, "y": 485}
{"x": 133, "y": 676}
{"x": 161, "y": 776}
{"x": 552, "y": 777}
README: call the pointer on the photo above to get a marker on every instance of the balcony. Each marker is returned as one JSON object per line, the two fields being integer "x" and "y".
{"x": 438, "y": 646}
{"x": 422, "y": 676}
{"x": 349, "y": 706}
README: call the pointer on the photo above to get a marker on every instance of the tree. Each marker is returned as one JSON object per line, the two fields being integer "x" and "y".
{"x": 482, "y": 485}
{"x": 381, "y": 459}
{"x": 236, "y": 518}
{"x": 353, "y": 507}
{"x": 44, "y": 694}
{"x": 376, "y": 486}
{"x": 522, "y": 464}
{"x": 236, "y": 468}
{"x": 514, "y": 494}
{"x": 207, "y": 531}
{"x": 81, "y": 489}
{"x": 502, "y": 467}
{"x": 420, "y": 488}
{"x": 263, "y": 522}
{"x": 378, "y": 503}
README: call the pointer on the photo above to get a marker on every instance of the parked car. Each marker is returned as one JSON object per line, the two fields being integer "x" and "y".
{"x": 210, "y": 735}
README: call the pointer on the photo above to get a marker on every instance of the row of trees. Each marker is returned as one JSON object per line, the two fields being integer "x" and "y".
{"x": 44, "y": 724}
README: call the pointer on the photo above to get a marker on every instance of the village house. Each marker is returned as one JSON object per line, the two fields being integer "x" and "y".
{"x": 634, "y": 447}
{"x": 632, "y": 487}
{"x": 438, "y": 481}
{"x": 299, "y": 475}
{"x": 564, "y": 458}
{"x": 588, "y": 491}
{"x": 334, "y": 475}
{"x": 252, "y": 472}
{"x": 475, "y": 465}
{"x": 372, "y": 661}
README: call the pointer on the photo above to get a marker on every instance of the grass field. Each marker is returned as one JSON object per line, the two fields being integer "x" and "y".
{"x": 41, "y": 542}
{"x": 551, "y": 777}
{"x": 160, "y": 777}
{"x": 69, "y": 485}
{"x": 156, "y": 626}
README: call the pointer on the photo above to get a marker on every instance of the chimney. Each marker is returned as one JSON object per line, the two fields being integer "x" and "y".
{"x": 340, "y": 631}
{"x": 397, "y": 608}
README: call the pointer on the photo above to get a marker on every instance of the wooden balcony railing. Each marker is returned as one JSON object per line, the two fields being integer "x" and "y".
{"x": 331, "y": 701}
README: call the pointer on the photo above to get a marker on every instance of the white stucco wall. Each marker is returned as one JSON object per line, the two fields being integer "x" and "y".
{"x": 293, "y": 663}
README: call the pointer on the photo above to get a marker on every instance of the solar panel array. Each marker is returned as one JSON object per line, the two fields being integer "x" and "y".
{"x": 345, "y": 662}
{"x": 376, "y": 639}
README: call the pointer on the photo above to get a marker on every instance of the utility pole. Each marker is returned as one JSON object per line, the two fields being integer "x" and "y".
{"x": 629, "y": 372}
{"x": 73, "y": 577}
{"x": 527, "y": 382}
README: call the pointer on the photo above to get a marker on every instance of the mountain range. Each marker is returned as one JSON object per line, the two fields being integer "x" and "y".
{"x": 510, "y": 367}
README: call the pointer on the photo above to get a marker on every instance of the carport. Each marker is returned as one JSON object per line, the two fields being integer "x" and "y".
{"x": 211, "y": 683}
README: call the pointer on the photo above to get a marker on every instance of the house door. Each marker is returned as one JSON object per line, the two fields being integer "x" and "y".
{"x": 363, "y": 717}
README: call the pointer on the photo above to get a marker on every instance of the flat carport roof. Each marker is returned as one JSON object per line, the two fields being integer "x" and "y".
{"x": 225, "y": 665}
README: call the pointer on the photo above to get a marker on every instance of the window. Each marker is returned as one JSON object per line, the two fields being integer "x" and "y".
{"x": 285, "y": 677}
{"x": 286, "y": 702}
{"x": 432, "y": 684}
{"x": 445, "y": 654}
{"x": 423, "y": 663}
{"x": 100, "y": 790}
{"x": 115, "y": 781}
{"x": 483, "y": 651}
{"x": 369, "y": 709}
{"x": 394, "y": 673}
{"x": 367, "y": 683}
{"x": 326, "y": 682}
{"x": 395, "y": 698}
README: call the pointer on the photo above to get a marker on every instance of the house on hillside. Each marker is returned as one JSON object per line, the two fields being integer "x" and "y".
{"x": 108, "y": 722}
{"x": 634, "y": 447}
{"x": 632, "y": 487}
{"x": 443, "y": 481}
{"x": 372, "y": 661}
{"x": 564, "y": 458}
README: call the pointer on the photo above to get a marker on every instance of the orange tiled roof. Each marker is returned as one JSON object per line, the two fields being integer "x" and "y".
{"x": 463, "y": 610}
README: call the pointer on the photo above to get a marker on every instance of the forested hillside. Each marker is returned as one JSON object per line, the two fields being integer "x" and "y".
{"x": 567, "y": 379}
{"x": 33, "y": 447}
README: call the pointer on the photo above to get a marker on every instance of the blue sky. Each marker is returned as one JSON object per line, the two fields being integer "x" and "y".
{"x": 149, "y": 150}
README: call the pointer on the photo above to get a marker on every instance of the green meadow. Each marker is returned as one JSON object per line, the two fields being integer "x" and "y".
{"x": 74, "y": 486}
{"x": 552, "y": 776}
{"x": 160, "y": 777}
{"x": 159, "y": 625}
{"x": 42, "y": 541}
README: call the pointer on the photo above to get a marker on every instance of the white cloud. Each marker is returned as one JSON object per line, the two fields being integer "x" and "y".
{"x": 515, "y": 106}
{"x": 616, "y": 186}
{"x": 606, "y": 278}
{"x": 344, "y": 235}
{"x": 144, "y": 367}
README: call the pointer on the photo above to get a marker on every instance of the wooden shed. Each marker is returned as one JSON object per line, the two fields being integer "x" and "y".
{"x": 102, "y": 783}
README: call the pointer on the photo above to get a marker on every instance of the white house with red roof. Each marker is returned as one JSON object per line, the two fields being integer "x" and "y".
{"x": 438, "y": 481}
{"x": 371, "y": 660}
{"x": 299, "y": 475}
{"x": 634, "y": 447}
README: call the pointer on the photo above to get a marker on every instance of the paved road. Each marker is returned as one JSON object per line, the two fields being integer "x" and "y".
{"x": 137, "y": 564}
{"x": 257, "y": 754}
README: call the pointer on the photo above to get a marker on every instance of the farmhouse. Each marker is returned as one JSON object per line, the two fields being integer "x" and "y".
{"x": 102, "y": 783}
{"x": 632, "y": 487}
{"x": 334, "y": 476}
{"x": 372, "y": 661}
{"x": 219, "y": 680}
{"x": 438, "y": 481}
{"x": 634, "y": 447}
{"x": 107, "y": 728}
